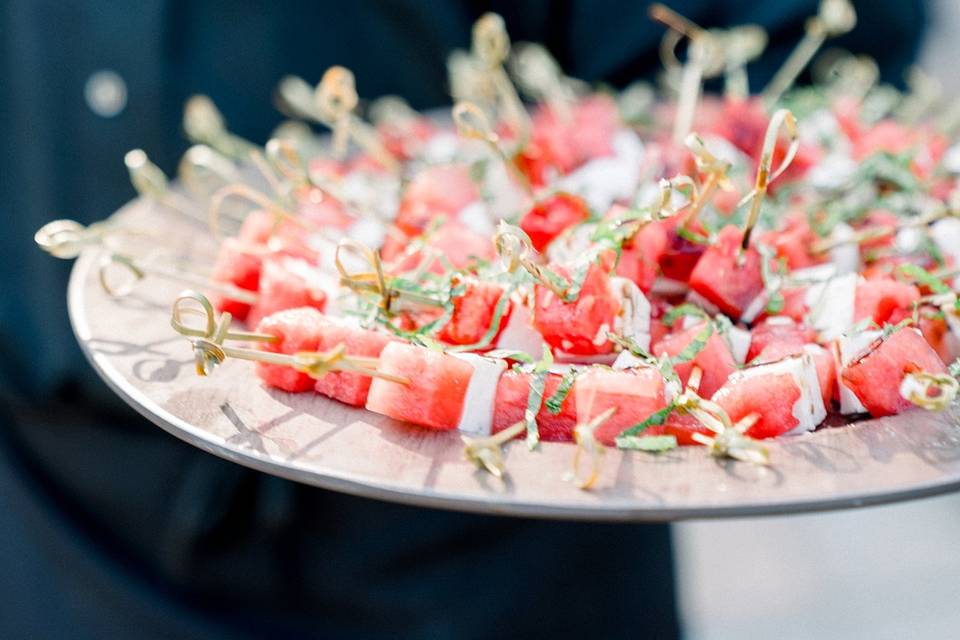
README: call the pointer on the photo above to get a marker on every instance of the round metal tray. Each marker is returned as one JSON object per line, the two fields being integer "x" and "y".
{"x": 310, "y": 439}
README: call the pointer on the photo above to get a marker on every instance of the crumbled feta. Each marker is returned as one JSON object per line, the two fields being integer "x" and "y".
{"x": 476, "y": 417}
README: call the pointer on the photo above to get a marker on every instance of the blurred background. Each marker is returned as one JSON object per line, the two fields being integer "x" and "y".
{"x": 110, "y": 528}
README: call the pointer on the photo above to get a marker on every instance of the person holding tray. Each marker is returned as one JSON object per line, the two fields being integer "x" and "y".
{"x": 111, "y": 528}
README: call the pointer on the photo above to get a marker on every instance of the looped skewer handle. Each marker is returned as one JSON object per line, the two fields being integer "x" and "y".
{"x": 472, "y": 123}
{"x": 586, "y": 443}
{"x": 782, "y": 119}
{"x": 210, "y": 351}
{"x": 137, "y": 270}
{"x": 335, "y": 99}
{"x": 516, "y": 250}
{"x": 65, "y": 239}
{"x": 375, "y": 280}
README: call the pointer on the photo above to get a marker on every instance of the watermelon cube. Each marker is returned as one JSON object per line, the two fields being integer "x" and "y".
{"x": 435, "y": 394}
{"x": 287, "y": 283}
{"x": 636, "y": 394}
{"x": 723, "y": 281}
{"x": 778, "y": 329}
{"x": 822, "y": 359}
{"x": 784, "y": 394}
{"x": 438, "y": 190}
{"x": 550, "y": 217}
{"x": 473, "y": 313}
{"x": 681, "y": 255}
{"x": 296, "y": 330}
{"x": 876, "y": 376}
{"x": 884, "y": 300}
{"x": 845, "y": 350}
{"x": 640, "y": 256}
{"x": 714, "y": 359}
{"x": 239, "y": 265}
{"x": 579, "y": 327}
{"x": 345, "y": 386}
{"x": 513, "y": 391}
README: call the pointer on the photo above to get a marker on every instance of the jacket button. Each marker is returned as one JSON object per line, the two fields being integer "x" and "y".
{"x": 105, "y": 93}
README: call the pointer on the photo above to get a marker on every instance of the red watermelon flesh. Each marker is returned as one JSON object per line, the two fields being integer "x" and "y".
{"x": 347, "y": 387}
{"x": 793, "y": 242}
{"x": 297, "y": 330}
{"x": 458, "y": 244}
{"x": 875, "y": 377}
{"x": 881, "y": 299}
{"x": 822, "y": 359}
{"x": 549, "y": 218}
{"x": 578, "y": 327}
{"x": 640, "y": 256}
{"x": 513, "y": 391}
{"x": 473, "y": 314}
{"x": 721, "y": 280}
{"x": 286, "y": 283}
{"x": 433, "y": 398}
{"x": 785, "y": 394}
{"x": 680, "y": 426}
{"x": 636, "y": 393}
{"x": 238, "y": 265}
{"x": 715, "y": 359}
{"x": 262, "y": 232}
{"x": 778, "y": 330}
{"x": 322, "y": 209}
{"x": 681, "y": 255}
{"x": 439, "y": 190}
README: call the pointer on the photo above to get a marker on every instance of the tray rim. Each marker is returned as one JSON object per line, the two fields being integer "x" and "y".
{"x": 357, "y": 485}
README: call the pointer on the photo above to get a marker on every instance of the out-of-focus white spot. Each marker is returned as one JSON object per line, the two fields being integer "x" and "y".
{"x": 106, "y": 93}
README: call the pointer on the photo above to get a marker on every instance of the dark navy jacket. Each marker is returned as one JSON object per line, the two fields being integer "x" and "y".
{"x": 110, "y": 527}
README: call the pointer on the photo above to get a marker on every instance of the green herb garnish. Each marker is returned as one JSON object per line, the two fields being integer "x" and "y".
{"x": 555, "y": 402}
{"x": 650, "y": 444}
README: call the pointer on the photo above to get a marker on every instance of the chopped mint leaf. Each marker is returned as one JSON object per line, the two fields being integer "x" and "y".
{"x": 555, "y": 402}
{"x": 655, "y": 419}
{"x": 650, "y": 444}
{"x": 685, "y": 309}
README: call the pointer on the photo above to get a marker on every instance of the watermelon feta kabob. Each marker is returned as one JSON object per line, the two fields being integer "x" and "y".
{"x": 562, "y": 275}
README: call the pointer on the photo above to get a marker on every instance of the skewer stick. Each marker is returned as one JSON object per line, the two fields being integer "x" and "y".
{"x": 335, "y": 99}
{"x": 203, "y": 123}
{"x": 539, "y": 75}
{"x": 491, "y": 47}
{"x": 740, "y": 45}
{"x": 375, "y": 281}
{"x": 834, "y": 18}
{"x": 702, "y": 58}
{"x": 932, "y": 391}
{"x": 587, "y": 443}
{"x": 729, "y": 440}
{"x": 781, "y": 119}
{"x": 716, "y": 177}
{"x": 882, "y": 231}
{"x": 486, "y": 452}
{"x": 210, "y": 351}
{"x": 472, "y": 123}
{"x": 515, "y": 249}
{"x": 66, "y": 239}
{"x": 139, "y": 269}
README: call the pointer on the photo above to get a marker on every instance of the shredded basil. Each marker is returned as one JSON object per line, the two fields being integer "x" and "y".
{"x": 499, "y": 311}
{"x": 538, "y": 382}
{"x": 650, "y": 444}
{"x": 655, "y": 419}
{"x": 924, "y": 277}
{"x": 681, "y": 310}
{"x": 696, "y": 345}
{"x": 555, "y": 402}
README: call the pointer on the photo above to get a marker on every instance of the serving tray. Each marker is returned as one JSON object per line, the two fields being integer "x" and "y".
{"x": 310, "y": 439}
